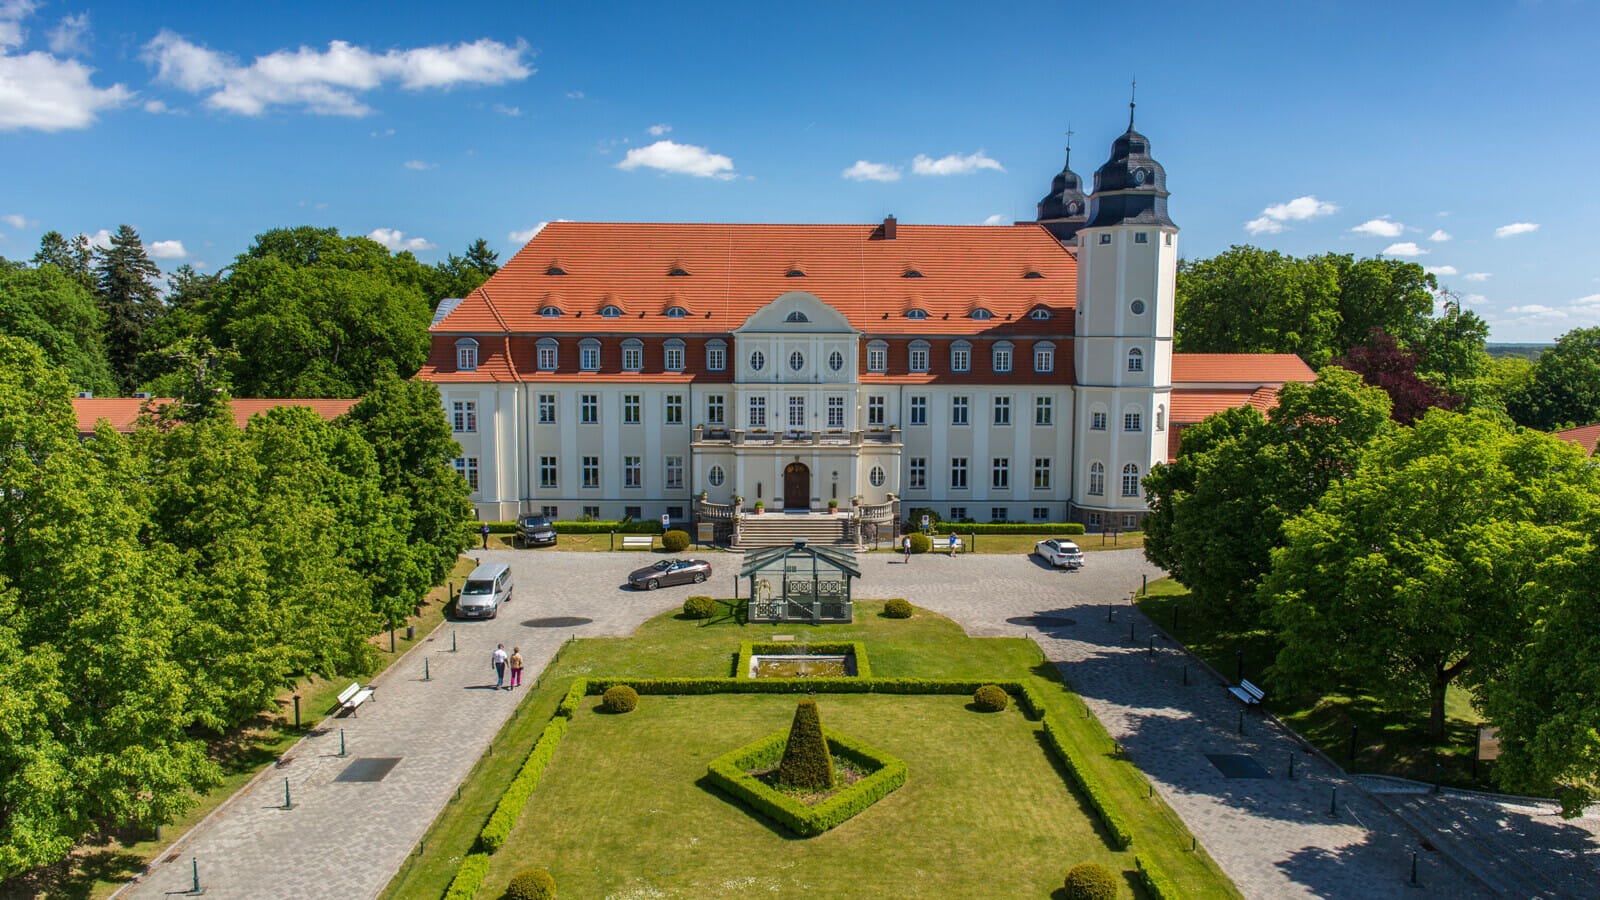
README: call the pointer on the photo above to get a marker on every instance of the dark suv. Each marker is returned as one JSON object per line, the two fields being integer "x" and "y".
{"x": 536, "y": 531}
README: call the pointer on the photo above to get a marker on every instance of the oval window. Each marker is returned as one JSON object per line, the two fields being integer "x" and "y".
{"x": 876, "y": 476}
{"x": 715, "y": 476}
{"x": 1138, "y": 307}
{"x": 797, "y": 360}
{"x": 836, "y": 360}
{"x": 757, "y": 361}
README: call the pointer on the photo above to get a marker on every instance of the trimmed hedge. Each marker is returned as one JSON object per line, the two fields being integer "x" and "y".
{"x": 730, "y": 773}
{"x": 898, "y": 608}
{"x": 920, "y": 543}
{"x": 1155, "y": 882}
{"x": 675, "y": 541}
{"x": 498, "y": 828}
{"x": 531, "y": 884}
{"x": 747, "y": 649}
{"x": 469, "y": 878}
{"x": 642, "y": 526}
{"x": 1088, "y": 782}
{"x": 990, "y": 698}
{"x": 620, "y": 699}
{"x": 568, "y": 707}
{"x": 1045, "y": 528}
{"x": 806, "y": 762}
{"x": 1090, "y": 881}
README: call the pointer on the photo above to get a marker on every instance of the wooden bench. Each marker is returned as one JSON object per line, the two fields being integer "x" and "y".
{"x": 353, "y": 696}
{"x": 942, "y": 544}
{"x": 1248, "y": 694}
{"x": 638, "y": 542}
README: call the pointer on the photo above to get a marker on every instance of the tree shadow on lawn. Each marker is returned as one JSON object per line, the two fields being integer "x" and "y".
{"x": 75, "y": 877}
{"x": 1085, "y": 810}
{"x": 705, "y": 783}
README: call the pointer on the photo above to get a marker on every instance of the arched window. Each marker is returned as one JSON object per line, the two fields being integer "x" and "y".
{"x": 758, "y": 360}
{"x": 555, "y": 270}
{"x": 797, "y": 360}
{"x": 716, "y": 355}
{"x": 1000, "y": 356}
{"x": 677, "y": 312}
{"x": 1161, "y": 417}
{"x": 796, "y": 316}
{"x": 981, "y": 314}
{"x": 715, "y": 476}
{"x": 919, "y": 356}
{"x": 1097, "y": 417}
{"x": 1044, "y": 356}
{"x": 1032, "y": 274}
{"x": 610, "y": 312}
{"x": 678, "y": 271}
{"x": 916, "y": 314}
{"x": 876, "y": 476}
{"x": 550, "y": 312}
{"x": 794, "y": 273}
{"x": 589, "y": 355}
{"x": 961, "y": 357}
{"x": 1130, "y": 480}
{"x": 1136, "y": 360}
{"x": 548, "y": 354}
{"x": 835, "y": 361}
{"x": 632, "y": 355}
{"x": 911, "y": 273}
{"x": 1039, "y": 314}
{"x": 877, "y": 356}
{"x": 673, "y": 353}
{"x": 1097, "y": 479}
{"x": 466, "y": 355}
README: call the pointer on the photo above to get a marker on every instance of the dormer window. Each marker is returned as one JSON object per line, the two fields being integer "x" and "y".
{"x": 960, "y": 356}
{"x": 1032, "y": 274}
{"x": 466, "y": 355}
{"x": 877, "y": 356}
{"x": 794, "y": 273}
{"x": 677, "y": 271}
{"x": 610, "y": 312}
{"x": 916, "y": 314}
{"x": 547, "y": 354}
{"x": 981, "y": 314}
{"x": 550, "y": 312}
{"x": 1040, "y": 314}
{"x": 589, "y": 355}
{"x": 555, "y": 270}
{"x": 677, "y": 312}
{"x": 796, "y": 316}
{"x": 911, "y": 273}
{"x": 632, "y": 355}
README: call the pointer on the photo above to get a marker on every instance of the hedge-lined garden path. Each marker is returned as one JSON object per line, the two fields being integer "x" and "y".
{"x": 1272, "y": 836}
{"x": 343, "y": 841}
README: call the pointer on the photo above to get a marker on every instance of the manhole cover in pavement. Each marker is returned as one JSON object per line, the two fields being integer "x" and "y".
{"x": 557, "y": 622}
{"x": 1042, "y": 621}
{"x": 1237, "y": 765}
{"x": 371, "y": 768}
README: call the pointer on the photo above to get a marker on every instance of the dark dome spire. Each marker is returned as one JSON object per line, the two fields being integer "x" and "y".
{"x": 1066, "y": 199}
{"x": 1131, "y": 188}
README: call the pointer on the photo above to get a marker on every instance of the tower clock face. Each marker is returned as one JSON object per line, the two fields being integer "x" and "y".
{"x": 1139, "y": 176}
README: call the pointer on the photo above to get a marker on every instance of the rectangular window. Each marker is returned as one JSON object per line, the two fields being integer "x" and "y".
{"x": 591, "y": 471}
{"x": 547, "y": 409}
{"x": 1129, "y": 520}
{"x": 467, "y": 358}
{"x": 547, "y": 472}
{"x": 633, "y": 512}
{"x": 1044, "y": 359}
{"x": 675, "y": 473}
{"x": 1141, "y": 237}
{"x": 960, "y": 359}
{"x": 1002, "y": 359}
{"x": 797, "y": 412}
{"x": 1169, "y": 240}
{"x": 632, "y": 358}
{"x": 632, "y": 471}
{"x": 919, "y": 410}
{"x": 758, "y": 412}
{"x": 958, "y": 473}
{"x": 958, "y": 513}
{"x": 589, "y": 409}
{"x": 714, "y": 410}
{"x": 875, "y": 411}
{"x": 877, "y": 359}
{"x": 716, "y": 359}
{"x": 675, "y": 513}
{"x": 464, "y": 416}
{"x": 917, "y": 473}
{"x": 549, "y": 512}
{"x": 630, "y": 409}
{"x": 958, "y": 410}
{"x": 835, "y": 412}
{"x": 589, "y": 358}
{"x": 468, "y": 467}
{"x": 547, "y": 357}
{"x": 919, "y": 359}
{"x": 1097, "y": 420}
{"x": 1041, "y": 474}
{"x": 1002, "y": 410}
{"x": 1043, "y": 410}
{"x": 591, "y": 512}
{"x": 1130, "y": 421}
{"x": 1041, "y": 513}
{"x": 1000, "y": 473}
{"x": 674, "y": 409}
{"x": 1094, "y": 520}
{"x": 998, "y": 514}
{"x": 674, "y": 358}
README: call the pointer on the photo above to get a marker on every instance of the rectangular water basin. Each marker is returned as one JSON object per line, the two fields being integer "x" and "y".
{"x": 802, "y": 665}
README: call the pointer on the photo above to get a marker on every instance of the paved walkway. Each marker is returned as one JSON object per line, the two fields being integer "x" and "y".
{"x": 1272, "y": 835}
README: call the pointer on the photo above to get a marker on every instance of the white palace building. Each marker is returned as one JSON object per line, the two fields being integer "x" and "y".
{"x": 1010, "y": 373}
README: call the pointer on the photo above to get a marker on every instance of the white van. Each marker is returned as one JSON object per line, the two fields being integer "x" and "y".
{"x": 487, "y": 587}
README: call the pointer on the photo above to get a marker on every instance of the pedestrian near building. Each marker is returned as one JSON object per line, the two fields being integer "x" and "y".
{"x": 516, "y": 667}
{"x": 954, "y": 543}
{"x": 905, "y": 544}
{"x": 499, "y": 658}
{"x": 485, "y": 532}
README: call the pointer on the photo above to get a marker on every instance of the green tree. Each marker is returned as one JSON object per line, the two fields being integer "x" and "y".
{"x": 1217, "y": 510}
{"x": 195, "y": 374}
{"x": 1453, "y": 352}
{"x": 1391, "y": 294}
{"x": 1565, "y": 388}
{"x": 459, "y": 276}
{"x": 125, "y": 282}
{"x": 75, "y": 258}
{"x": 806, "y": 761}
{"x": 1406, "y": 578}
{"x": 58, "y": 315}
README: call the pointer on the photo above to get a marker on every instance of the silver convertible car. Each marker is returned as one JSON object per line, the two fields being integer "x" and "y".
{"x": 1061, "y": 553}
{"x": 670, "y": 571}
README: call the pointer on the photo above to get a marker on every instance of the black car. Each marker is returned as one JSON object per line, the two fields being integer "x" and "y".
{"x": 670, "y": 571}
{"x": 536, "y": 531}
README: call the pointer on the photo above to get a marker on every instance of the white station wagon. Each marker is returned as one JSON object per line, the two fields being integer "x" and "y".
{"x": 1059, "y": 552}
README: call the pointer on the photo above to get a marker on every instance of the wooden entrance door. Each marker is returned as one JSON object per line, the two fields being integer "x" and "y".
{"x": 796, "y": 486}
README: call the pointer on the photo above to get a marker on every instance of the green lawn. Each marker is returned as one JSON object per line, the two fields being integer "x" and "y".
{"x": 1389, "y": 741}
{"x": 1023, "y": 543}
{"x": 623, "y": 811}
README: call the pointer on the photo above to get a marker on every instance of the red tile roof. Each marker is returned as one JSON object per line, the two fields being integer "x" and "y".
{"x": 1190, "y": 406}
{"x": 1586, "y": 437}
{"x": 734, "y": 270}
{"x": 123, "y": 412}
{"x": 1239, "y": 368}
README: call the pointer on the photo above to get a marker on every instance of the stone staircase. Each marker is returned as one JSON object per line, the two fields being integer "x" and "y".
{"x": 781, "y": 529}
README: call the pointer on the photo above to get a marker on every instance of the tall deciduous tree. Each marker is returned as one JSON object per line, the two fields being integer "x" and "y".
{"x": 1407, "y": 576}
{"x": 1565, "y": 389}
{"x": 1387, "y": 366}
{"x": 125, "y": 281}
{"x": 55, "y": 312}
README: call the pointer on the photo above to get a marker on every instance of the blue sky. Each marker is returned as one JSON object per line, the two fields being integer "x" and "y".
{"x": 1460, "y": 135}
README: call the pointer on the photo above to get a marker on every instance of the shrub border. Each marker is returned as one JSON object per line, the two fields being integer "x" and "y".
{"x": 728, "y": 772}
{"x": 498, "y": 828}
{"x": 747, "y": 649}
{"x": 1088, "y": 782}
{"x": 1155, "y": 881}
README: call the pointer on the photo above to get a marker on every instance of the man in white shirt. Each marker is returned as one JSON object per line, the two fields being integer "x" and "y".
{"x": 499, "y": 658}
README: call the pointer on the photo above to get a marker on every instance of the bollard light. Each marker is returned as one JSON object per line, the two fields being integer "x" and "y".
{"x": 296, "y": 710}
{"x": 425, "y": 675}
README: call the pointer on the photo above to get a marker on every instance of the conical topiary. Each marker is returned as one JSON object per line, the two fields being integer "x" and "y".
{"x": 806, "y": 762}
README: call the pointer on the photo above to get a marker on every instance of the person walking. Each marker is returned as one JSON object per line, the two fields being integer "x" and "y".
{"x": 516, "y": 667}
{"x": 905, "y": 544}
{"x": 485, "y": 532}
{"x": 498, "y": 657}
{"x": 954, "y": 542}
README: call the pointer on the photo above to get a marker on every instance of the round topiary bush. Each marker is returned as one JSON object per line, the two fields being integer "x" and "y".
{"x": 990, "y": 698}
{"x": 898, "y": 609}
{"x": 620, "y": 699}
{"x": 1091, "y": 881}
{"x": 533, "y": 884}
{"x": 675, "y": 541}
{"x": 699, "y": 608}
{"x": 920, "y": 543}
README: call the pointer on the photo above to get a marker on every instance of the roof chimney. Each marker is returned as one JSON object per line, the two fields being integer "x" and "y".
{"x": 86, "y": 395}
{"x": 141, "y": 395}
{"x": 888, "y": 228}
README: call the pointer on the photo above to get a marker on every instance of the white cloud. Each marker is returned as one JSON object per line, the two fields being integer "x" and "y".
{"x": 1505, "y": 231}
{"x": 504, "y": 110}
{"x": 396, "y": 240}
{"x": 1474, "y": 298}
{"x": 155, "y": 106}
{"x": 1383, "y": 227}
{"x": 1405, "y": 250}
{"x": 101, "y": 239}
{"x": 70, "y": 37}
{"x": 1476, "y": 276}
{"x": 871, "y": 171}
{"x": 659, "y": 130}
{"x": 954, "y": 164}
{"x": 420, "y": 166}
{"x": 574, "y": 95}
{"x": 685, "y": 159}
{"x": 1440, "y": 235}
{"x": 1440, "y": 270}
{"x": 18, "y": 221}
{"x": 1538, "y": 311}
{"x": 522, "y": 237}
{"x": 1273, "y": 219}
{"x": 40, "y": 91}
{"x": 167, "y": 250}
{"x": 12, "y": 12}
{"x": 327, "y": 82}
{"x": 996, "y": 219}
